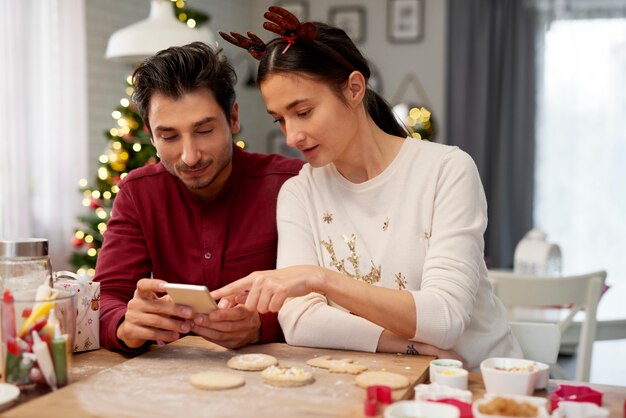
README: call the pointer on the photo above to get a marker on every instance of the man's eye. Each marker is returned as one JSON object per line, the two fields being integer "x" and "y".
{"x": 303, "y": 114}
{"x": 279, "y": 120}
{"x": 169, "y": 138}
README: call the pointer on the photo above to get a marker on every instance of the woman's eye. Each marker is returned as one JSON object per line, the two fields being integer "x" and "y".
{"x": 303, "y": 114}
{"x": 279, "y": 120}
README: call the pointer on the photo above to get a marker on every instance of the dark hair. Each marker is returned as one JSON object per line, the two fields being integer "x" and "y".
{"x": 330, "y": 58}
{"x": 178, "y": 70}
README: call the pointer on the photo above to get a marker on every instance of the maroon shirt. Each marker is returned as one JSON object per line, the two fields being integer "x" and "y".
{"x": 160, "y": 229}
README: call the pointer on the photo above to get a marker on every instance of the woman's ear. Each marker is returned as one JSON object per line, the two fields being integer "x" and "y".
{"x": 355, "y": 88}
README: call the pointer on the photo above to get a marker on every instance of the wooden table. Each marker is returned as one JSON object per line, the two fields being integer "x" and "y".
{"x": 156, "y": 384}
{"x": 108, "y": 384}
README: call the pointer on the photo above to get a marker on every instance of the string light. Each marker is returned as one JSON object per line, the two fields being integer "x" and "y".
{"x": 102, "y": 227}
{"x": 91, "y": 272}
{"x": 103, "y": 173}
{"x": 92, "y": 253}
{"x": 125, "y": 102}
{"x": 116, "y": 114}
{"x": 191, "y": 23}
{"x": 88, "y": 239}
{"x": 106, "y": 195}
{"x": 87, "y": 202}
{"x": 95, "y": 194}
{"x": 82, "y": 182}
{"x": 117, "y": 145}
{"x": 79, "y": 234}
{"x": 115, "y": 189}
{"x": 241, "y": 143}
{"x": 80, "y": 271}
{"x": 103, "y": 159}
{"x": 136, "y": 147}
{"x": 182, "y": 17}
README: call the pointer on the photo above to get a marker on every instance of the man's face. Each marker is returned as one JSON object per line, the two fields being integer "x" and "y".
{"x": 194, "y": 139}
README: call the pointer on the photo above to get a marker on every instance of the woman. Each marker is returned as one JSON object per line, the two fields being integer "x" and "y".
{"x": 380, "y": 235}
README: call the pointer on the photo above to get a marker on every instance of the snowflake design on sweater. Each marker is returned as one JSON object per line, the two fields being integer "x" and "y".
{"x": 327, "y": 217}
{"x": 401, "y": 281}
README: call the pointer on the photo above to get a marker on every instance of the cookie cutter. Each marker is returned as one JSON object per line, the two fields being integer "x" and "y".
{"x": 376, "y": 394}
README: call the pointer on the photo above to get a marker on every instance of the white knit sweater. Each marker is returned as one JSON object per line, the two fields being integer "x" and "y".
{"x": 417, "y": 226}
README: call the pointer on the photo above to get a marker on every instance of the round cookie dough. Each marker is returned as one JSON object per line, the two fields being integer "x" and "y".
{"x": 251, "y": 362}
{"x": 286, "y": 376}
{"x": 216, "y": 380}
{"x": 345, "y": 365}
{"x": 393, "y": 380}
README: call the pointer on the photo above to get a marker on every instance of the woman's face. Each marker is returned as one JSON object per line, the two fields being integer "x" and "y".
{"x": 311, "y": 116}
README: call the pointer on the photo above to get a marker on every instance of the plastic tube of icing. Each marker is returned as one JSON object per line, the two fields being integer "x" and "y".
{"x": 44, "y": 360}
{"x": 59, "y": 355}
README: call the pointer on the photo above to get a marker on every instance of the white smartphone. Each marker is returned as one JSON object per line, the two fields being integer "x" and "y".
{"x": 195, "y": 296}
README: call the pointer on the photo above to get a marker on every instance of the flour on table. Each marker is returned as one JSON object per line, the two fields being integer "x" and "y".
{"x": 393, "y": 380}
{"x": 345, "y": 365}
{"x": 252, "y": 362}
{"x": 216, "y": 380}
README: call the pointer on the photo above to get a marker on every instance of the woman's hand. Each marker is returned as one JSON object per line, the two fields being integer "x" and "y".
{"x": 392, "y": 343}
{"x": 266, "y": 291}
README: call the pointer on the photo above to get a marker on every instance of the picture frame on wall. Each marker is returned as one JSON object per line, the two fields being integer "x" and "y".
{"x": 405, "y": 20}
{"x": 299, "y": 8}
{"x": 351, "y": 19}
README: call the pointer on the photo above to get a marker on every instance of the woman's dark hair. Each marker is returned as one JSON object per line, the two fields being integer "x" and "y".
{"x": 330, "y": 58}
{"x": 179, "y": 70}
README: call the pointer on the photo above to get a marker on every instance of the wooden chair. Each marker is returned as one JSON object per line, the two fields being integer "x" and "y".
{"x": 574, "y": 293}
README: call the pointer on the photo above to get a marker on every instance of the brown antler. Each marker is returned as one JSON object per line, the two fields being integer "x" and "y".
{"x": 284, "y": 23}
{"x": 253, "y": 44}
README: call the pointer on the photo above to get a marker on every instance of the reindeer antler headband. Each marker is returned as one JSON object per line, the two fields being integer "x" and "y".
{"x": 282, "y": 23}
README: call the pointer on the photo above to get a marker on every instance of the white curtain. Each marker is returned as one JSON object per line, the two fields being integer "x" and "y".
{"x": 43, "y": 120}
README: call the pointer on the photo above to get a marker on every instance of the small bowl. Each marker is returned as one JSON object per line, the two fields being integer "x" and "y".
{"x": 453, "y": 377}
{"x": 510, "y": 376}
{"x": 419, "y": 409}
{"x": 575, "y": 394}
{"x": 540, "y": 403}
{"x": 442, "y": 364}
{"x": 435, "y": 391}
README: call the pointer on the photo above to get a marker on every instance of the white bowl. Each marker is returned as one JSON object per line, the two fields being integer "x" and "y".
{"x": 540, "y": 403}
{"x": 455, "y": 378}
{"x": 419, "y": 409}
{"x": 509, "y": 375}
{"x": 543, "y": 375}
{"x": 439, "y": 364}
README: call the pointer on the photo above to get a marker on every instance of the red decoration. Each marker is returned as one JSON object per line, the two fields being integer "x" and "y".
{"x": 77, "y": 242}
{"x": 95, "y": 203}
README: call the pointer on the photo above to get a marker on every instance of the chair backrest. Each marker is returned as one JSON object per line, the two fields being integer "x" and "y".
{"x": 539, "y": 341}
{"x": 580, "y": 292}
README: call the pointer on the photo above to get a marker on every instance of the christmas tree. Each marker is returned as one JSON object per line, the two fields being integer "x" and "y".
{"x": 128, "y": 147}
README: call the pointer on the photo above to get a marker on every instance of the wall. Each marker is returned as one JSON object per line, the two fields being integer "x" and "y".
{"x": 106, "y": 81}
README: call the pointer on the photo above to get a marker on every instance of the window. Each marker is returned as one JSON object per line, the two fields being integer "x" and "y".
{"x": 580, "y": 172}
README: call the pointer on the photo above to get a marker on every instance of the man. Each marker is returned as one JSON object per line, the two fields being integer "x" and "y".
{"x": 206, "y": 214}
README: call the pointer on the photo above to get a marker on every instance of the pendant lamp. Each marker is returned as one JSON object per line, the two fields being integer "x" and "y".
{"x": 160, "y": 30}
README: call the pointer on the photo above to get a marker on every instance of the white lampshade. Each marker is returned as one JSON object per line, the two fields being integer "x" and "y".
{"x": 159, "y": 31}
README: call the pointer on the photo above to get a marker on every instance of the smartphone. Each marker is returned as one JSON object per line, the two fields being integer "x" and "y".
{"x": 197, "y": 297}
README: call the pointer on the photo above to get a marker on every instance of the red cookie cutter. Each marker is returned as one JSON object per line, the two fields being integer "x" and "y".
{"x": 575, "y": 394}
{"x": 376, "y": 394}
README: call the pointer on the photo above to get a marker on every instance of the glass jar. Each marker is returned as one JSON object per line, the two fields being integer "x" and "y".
{"x": 24, "y": 264}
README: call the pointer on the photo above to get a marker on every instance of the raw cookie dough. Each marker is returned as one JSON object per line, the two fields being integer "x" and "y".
{"x": 251, "y": 362}
{"x": 215, "y": 380}
{"x": 286, "y": 376}
{"x": 345, "y": 365}
{"x": 393, "y": 380}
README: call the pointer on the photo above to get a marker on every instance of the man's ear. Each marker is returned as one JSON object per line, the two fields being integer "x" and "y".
{"x": 355, "y": 88}
{"x": 234, "y": 119}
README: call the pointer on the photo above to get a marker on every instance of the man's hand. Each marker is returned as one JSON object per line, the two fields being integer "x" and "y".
{"x": 229, "y": 326}
{"x": 153, "y": 317}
